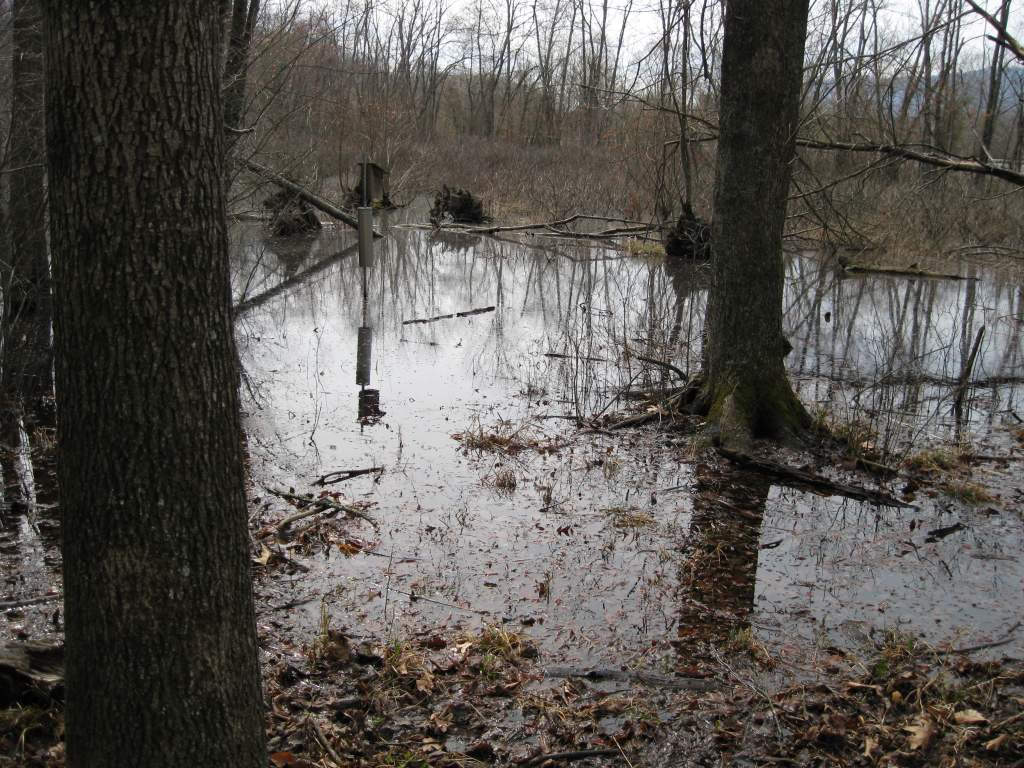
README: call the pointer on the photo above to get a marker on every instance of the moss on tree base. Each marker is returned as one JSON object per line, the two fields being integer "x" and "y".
{"x": 739, "y": 410}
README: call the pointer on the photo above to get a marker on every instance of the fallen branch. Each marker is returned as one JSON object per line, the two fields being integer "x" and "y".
{"x": 668, "y": 407}
{"x": 346, "y": 474}
{"x": 579, "y": 754}
{"x": 647, "y": 678}
{"x": 965, "y": 375}
{"x": 1007, "y": 639}
{"x": 303, "y": 194}
{"x": 560, "y": 224}
{"x": 325, "y": 744}
{"x": 813, "y": 481}
{"x": 12, "y": 604}
{"x": 585, "y": 358}
{"x": 901, "y": 272}
{"x": 316, "y": 506}
{"x": 464, "y": 313}
{"x": 927, "y": 157}
{"x": 662, "y": 364}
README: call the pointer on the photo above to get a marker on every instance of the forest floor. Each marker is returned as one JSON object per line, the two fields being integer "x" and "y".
{"x": 518, "y": 582}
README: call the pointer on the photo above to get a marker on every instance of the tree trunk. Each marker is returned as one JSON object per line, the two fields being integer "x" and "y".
{"x": 160, "y": 632}
{"x": 27, "y": 311}
{"x": 746, "y": 391}
{"x": 236, "y": 66}
{"x": 995, "y": 88}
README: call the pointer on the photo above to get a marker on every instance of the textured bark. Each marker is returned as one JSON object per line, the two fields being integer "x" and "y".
{"x": 746, "y": 391}
{"x": 161, "y": 643}
{"x": 27, "y": 311}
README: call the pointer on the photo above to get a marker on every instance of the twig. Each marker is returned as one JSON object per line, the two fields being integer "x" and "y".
{"x": 345, "y": 474}
{"x": 662, "y": 364}
{"x": 322, "y": 741}
{"x": 318, "y": 505}
{"x": 983, "y": 646}
{"x": 579, "y": 754}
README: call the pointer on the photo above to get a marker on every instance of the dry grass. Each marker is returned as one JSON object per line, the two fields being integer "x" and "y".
{"x": 629, "y": 518}
{"x": 505, "y": 437}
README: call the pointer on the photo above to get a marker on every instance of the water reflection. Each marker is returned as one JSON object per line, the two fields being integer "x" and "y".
{"x": 718, "y": 574}
{"x": 568, "y": 323}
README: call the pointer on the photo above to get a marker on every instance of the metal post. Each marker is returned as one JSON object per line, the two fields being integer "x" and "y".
{"x": 365, "y": 222}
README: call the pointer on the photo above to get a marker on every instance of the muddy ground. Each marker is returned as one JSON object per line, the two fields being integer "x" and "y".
{"x": 515, "y": 578}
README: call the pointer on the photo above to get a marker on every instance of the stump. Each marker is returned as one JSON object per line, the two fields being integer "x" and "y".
{"x": 291, "y": 214}
{"x": 354, "y": 198}
{"x": 690, "y": 238}
{"x": 457, "y": 206}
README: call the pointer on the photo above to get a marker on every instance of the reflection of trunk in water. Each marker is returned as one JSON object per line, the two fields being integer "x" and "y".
{"x": 369, "y": 399}
{"x": 688, "y": 281}
{"x": 716, "y": 595}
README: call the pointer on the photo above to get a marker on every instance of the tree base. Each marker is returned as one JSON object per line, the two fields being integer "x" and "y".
{"x": 738, "y": 412}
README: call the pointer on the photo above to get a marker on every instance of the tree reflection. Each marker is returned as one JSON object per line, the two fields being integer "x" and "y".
{"x": 716, "y": 583}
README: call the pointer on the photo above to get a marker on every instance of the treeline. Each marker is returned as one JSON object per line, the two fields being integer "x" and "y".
{"x": 332, "y": 80}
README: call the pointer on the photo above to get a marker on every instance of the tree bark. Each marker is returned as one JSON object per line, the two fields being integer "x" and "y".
{"x": 160, "y": 631}
{"x": 746, "y": 391}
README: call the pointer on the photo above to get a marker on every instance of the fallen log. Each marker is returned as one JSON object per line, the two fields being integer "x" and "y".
{"x": 911, "y": 271}
{"x": 30, "y": 673}
{"x": 813, "y": 481}
{"x": 304, "y": 194}
{"x": 451, "y": 316}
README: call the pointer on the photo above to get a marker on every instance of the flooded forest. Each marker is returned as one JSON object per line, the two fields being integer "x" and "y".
{"x": 527, "y": 384}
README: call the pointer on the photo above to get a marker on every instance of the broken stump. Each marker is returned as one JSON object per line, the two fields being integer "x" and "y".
{"x": 458, "y": 206}
{"x": 690, "y": 238}
{"x": 291, "y": 215}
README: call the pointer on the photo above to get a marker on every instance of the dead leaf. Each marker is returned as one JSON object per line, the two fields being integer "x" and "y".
{"x": 425, "y": 682}
{"x": 993, "y": 744}
{"x": 920, "y": 733}
{"x": 348, "y": 548}
{"x": 263, "y": 559}
{"x": 441, "y": 721}
{"x": 969, "y": 717}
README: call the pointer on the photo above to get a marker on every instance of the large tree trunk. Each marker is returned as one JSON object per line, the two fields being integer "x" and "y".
{"x": 161, "y": 642}
{"x": 746, "y": 391}
{"x": 27, "y": 363}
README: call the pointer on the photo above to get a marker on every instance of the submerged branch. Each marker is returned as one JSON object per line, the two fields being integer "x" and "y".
{"x": 316, "y": 506}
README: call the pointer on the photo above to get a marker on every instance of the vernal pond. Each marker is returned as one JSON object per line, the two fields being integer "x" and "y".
{"x": 477, "y": 378}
